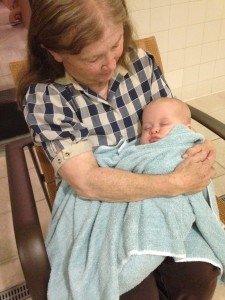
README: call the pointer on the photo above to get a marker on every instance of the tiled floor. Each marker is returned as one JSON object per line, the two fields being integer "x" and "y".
{"x": 12, "y": 47}
{"x": 10, "y": 270}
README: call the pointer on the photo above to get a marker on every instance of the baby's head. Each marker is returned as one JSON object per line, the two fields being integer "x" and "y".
{"x": 160, "y": 116}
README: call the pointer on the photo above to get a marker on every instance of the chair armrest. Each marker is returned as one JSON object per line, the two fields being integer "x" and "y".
{"x": 206, "y": 120}
{"x": 29, "y": 238}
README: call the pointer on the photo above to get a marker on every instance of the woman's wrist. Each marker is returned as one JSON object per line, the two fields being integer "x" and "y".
{"x": 173, "y": 185}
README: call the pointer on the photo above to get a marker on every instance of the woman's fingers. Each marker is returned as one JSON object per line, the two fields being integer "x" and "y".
{"x": 193, "y": 176}
{"x": 201, "y": 151}
{"x": 199, "y": 156}
{"x": 193, "y": 151}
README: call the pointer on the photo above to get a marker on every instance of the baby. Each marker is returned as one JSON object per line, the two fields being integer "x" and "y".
{"x": 160, "y": 116}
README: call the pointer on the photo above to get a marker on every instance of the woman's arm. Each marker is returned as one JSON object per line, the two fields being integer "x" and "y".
{"x": 93, "y": 182}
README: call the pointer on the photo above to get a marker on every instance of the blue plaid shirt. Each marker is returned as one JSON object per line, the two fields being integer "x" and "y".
{"x": 68, "y": 119}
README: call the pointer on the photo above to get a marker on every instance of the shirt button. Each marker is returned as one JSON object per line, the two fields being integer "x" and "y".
{"x": 67, "y": 154}
{"x": 59, "y": 160}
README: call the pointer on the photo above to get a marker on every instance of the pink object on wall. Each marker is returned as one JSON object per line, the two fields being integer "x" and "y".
{"x": 17, "y": 7}
{"x": 8, "y": 3}
{"x": 25, "y": 11}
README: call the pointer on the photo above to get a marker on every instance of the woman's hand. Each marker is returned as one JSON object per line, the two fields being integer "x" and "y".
{"x": 201, "y": 152}
{"x": 195, "y": 172}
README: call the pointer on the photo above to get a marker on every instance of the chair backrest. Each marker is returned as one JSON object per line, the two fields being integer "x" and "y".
{"x": 17, "y": 67}
{"x": 44, "y": 168}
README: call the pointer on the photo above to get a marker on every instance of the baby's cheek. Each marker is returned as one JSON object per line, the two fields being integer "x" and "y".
{"x": 144, "y": 138}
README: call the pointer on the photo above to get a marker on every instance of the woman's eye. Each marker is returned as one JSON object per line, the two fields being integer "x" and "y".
{"x": 92, "y": 60}
{"x": 116, "y": 46}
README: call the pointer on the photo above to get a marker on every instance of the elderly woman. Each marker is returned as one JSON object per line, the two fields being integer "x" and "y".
{"x": 86, "y": 85}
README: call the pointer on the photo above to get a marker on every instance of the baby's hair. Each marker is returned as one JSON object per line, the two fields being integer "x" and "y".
{"x": 182, "y": 105}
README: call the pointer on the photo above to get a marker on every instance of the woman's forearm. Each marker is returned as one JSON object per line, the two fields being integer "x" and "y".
{"x": 113, "y": 185}
{"x": 93, "y": 182}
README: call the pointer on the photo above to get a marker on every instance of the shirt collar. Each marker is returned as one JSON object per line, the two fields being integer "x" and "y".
{"x": 68, "y": 79}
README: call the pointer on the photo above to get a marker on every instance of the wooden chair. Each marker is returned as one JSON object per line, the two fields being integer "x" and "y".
{"x": 42, "y": 165}
{"x": 29, "y": 239}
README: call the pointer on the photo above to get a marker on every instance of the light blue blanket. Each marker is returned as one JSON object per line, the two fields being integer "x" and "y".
{"x": 100, "y": 250}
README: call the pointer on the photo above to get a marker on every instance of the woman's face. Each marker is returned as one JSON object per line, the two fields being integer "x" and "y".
{"x": 96, "y": 63}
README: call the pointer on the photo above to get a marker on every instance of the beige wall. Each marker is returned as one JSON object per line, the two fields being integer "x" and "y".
{"x": 191, "y": 39}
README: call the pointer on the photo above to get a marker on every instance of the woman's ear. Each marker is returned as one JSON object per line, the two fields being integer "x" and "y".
{"x": 56, "y": 56}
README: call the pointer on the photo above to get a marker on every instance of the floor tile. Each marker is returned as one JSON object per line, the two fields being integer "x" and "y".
{"x": 3, "y": 169}
{"x": 10, "y": 35}
{"x": 8, "y": 248}
{"x": 209, "y": 135}
{"x": 5, "y": 205}
{"x": 219, "y": 170}
{"x": 11, "y": 274}
{"x": 219, "y": 184}
{"x": 220, "y": 151}
{"x": 219, "y": 114}
{"x": 219, "y": 293}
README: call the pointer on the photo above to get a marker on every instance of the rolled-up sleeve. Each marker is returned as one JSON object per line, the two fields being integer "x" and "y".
{"x": 54, "y": 123}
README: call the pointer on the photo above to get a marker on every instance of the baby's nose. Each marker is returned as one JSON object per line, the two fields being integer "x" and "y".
{"x": 155, "y": 129}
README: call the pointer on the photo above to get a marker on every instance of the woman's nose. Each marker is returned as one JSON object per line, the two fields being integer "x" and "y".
{"x": 109, "y": 63}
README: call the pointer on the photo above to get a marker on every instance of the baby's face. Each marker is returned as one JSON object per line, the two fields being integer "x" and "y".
{"x": 158, "y": 120}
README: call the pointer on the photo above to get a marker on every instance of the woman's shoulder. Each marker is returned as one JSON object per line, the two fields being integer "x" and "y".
{"x": 139, "y": 59}
{"x": 140, "y": 54}
{"x": 45, "y": 88}
{"x": 40, "y": 93}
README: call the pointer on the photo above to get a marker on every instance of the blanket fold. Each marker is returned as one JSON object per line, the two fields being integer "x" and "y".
{"x": 99, "y": 250}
